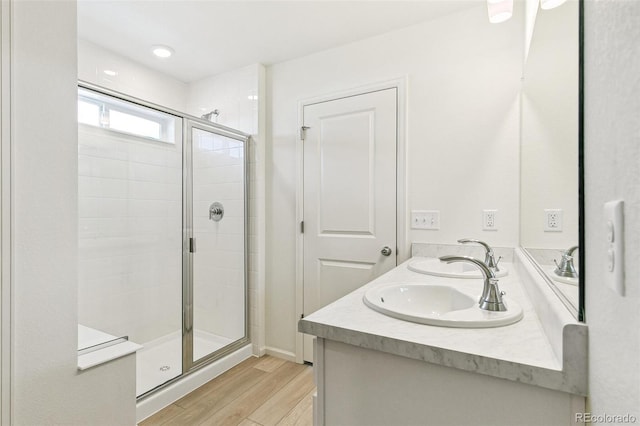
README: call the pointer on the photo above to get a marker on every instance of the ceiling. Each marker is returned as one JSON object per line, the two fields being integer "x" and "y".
{"x": 211, "y": 36}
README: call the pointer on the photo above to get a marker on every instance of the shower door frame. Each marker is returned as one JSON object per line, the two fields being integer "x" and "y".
{"x": 189, "y": 365}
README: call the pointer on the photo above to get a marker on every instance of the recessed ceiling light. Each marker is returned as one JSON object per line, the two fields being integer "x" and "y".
{"x": 110, "y": 73}
{"x": 162, "y": 51}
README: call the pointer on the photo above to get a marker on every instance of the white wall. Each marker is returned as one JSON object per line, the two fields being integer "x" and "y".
{"x": 5, "y": 215}
{"x": 130, "y": 234}
{"x": 234, "y": 94}
{"x": 531, "y": 8}
{"x": 132, "y": 78}
{"x": 463, "y": 134}
{"x": 612, "y": 155}
{"x": 47, "y": 388}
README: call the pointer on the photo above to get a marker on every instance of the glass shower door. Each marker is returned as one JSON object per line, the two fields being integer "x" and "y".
{"x": 162, "y": 225}
{"x": 215, "y": 240}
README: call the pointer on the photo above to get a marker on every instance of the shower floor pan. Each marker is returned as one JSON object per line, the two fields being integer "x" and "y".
{"x": 161, "y": 359}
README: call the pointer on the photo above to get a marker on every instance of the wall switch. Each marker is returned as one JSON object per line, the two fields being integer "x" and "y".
{"x": 552, "y": 220}
{"x": 614, "y": 254}
{"x": 489, "y": 220}
{"x": 425, "y": 219}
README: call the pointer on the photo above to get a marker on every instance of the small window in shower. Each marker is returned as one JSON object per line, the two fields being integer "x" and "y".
{"x": 136, "y": 125}
{"x": 111, "y": 114}
{"x": 88, "y": 113}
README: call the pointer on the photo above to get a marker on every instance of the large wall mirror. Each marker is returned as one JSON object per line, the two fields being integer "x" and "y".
{"x": 550, "y": 152}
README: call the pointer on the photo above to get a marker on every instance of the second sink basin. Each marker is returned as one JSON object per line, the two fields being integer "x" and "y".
{"x": 433, "y": 266}
{"x": 440, "y": 305}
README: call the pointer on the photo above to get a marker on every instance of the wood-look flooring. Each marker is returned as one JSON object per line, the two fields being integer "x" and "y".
{"x": 257, "y": 392}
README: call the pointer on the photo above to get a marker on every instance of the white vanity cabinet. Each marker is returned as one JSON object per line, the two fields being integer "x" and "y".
{"x": 358, "y": 386}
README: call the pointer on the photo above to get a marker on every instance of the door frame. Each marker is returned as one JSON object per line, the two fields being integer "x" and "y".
{"x": 402, "y": 234}
{"x": 189, "y": 363}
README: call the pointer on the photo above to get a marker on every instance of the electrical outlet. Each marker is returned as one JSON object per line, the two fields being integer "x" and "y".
{"x": 553, "y": 220}
{"x": 489, "y": 220}
{"x": 425, "y": 219}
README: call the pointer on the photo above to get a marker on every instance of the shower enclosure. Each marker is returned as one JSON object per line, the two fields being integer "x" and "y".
{"x": 162, "y": 238}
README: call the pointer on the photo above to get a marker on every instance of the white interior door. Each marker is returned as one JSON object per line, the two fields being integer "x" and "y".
{"x": 349, "y": 196}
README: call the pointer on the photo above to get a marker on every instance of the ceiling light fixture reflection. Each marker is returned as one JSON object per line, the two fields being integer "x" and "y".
{"x": 550, "y": 4}
{"x": 110, "y": 73}
{"x": 499, "y": 10}
{"x": 162, "y": 51}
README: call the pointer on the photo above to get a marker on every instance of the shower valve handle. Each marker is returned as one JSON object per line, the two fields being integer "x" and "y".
{"x": 216, "y": 211}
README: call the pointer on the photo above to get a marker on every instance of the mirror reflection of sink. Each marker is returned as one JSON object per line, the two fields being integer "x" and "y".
{"x": 565, "y": 280}
{"x": 433, "y": 266}
{"x": 439, "y": 305}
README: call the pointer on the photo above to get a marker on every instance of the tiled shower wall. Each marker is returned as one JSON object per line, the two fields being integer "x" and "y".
{"x": 218, "y": 275}
{"x": 130, "y": 234}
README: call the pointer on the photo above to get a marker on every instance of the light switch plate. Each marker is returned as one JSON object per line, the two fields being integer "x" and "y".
{"x": 614, "y": 246}
{"x": 425, "y": 219}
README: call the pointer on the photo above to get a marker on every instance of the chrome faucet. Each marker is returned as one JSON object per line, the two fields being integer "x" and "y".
{"x": 491, "y": 299}
{"x": 566, "y": 268}
{"x": 489, "y": 258}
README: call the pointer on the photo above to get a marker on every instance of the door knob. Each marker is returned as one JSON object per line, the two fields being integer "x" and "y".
{"x": 386, "y": 251}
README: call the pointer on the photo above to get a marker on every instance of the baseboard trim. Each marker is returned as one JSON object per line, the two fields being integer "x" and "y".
{"x": 279, "y": 353}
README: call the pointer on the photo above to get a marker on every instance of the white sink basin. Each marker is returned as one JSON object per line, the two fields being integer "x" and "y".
{"x": 440, "y": 305}
{"x": 433, "y": 266}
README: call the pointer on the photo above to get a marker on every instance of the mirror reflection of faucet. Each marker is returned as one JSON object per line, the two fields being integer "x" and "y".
{"x": 565, "y": 271}
{"x": 565, "y": 268}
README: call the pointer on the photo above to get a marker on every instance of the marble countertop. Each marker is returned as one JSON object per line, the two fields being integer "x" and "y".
{"x": 519, "y": 352}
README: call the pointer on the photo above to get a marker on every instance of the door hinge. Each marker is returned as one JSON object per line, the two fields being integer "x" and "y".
{"x": 192, "y": 245}
{"x": 303, "y": 132}
{"x": 302, "y": 227}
